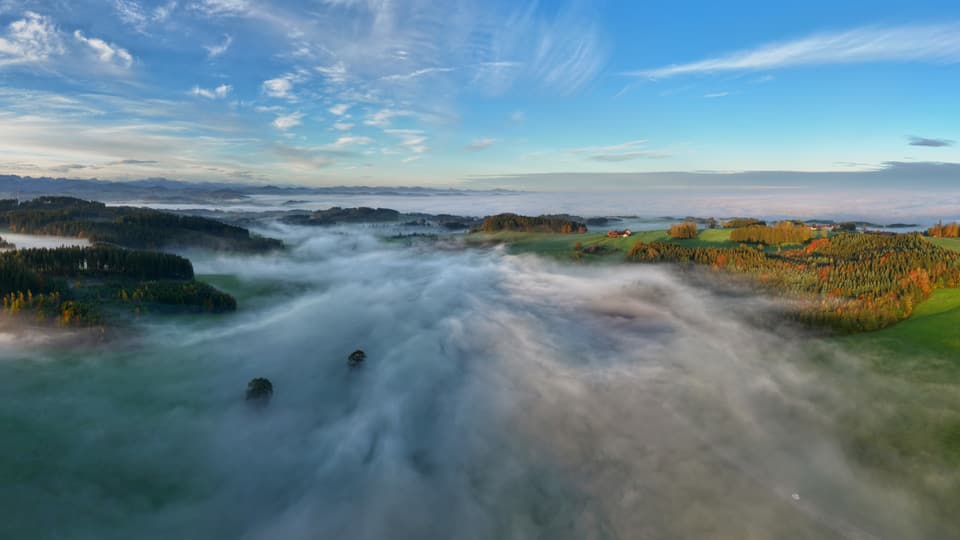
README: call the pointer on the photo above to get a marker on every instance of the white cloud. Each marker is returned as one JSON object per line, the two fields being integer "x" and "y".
{"x": 627, "y": 156}
{"x": 32, "y": 39}
{"x": 716, "y": 95}
{"x": 480, "y": 144}
{"x": 339, "y": 109}
{"x": 384, "y": 117}
{"x": 412, "y": 139}
{"x": 518, "y": 117}
{"x": 162, "y": 13}
{"x": 336, "y": 73}
{"x": 343, "y": 126}
{"x": 416, "y": 74}
{"x": 620, "y": 152}
{"x": 214, "y": 51}
{"x": 279, "y": 88}
{"x": 411, "y": 159}
{"x": 287, "y": 121}
{"x": 348, "y": 140}
{"x": 933, "y": 43}
{"x": 219, "y": 92}
{"x": 131, "y": 13}
{"x": 282, "y": 87}
{"x": 107, "y": 53}
{"x": 222, "y": 7}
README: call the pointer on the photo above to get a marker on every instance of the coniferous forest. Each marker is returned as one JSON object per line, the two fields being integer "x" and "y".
{"x": 75, "y": 285}
{"x": 85, "y": 285}
{"x": 136, "y": 228}
{"x": 515, "y": 222}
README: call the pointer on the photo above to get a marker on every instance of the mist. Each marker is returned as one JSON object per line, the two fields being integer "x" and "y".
{"x": 502, "y": 397}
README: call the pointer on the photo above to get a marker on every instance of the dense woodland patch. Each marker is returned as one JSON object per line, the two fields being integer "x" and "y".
{"x": 852, "y": 282}
{"x": 136, "y": 228}
{"x": 950, "y": 230}
{"x": 74, "y": 285}
{"x": 515, "y": 222}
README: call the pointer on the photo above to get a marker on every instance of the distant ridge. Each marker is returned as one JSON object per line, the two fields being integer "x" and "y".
{"x": 167, "y": 190}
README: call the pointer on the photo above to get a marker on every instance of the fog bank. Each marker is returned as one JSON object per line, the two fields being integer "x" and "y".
{"x": 502, "y": 397}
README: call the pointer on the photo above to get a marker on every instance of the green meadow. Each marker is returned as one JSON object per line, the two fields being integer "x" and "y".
{"x": 562, "y": 246}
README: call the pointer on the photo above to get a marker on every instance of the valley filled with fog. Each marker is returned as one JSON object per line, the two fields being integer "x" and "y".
{"x": 503, "y": 396}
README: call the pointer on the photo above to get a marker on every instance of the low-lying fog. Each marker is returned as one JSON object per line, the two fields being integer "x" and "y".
{"x": 880, "y": 206}
{"x": 502, "y": 397}
{"x": 25, "y": 241}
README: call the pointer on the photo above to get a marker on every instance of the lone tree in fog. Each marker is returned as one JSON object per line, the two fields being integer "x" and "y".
{"x": 259, "y": 390}
{"x": 356, "y": 358}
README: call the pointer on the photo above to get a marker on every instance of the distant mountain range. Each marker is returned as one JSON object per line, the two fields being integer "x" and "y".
{"x": 166, "y": 190}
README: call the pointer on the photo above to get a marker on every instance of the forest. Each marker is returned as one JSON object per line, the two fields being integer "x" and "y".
{"x": 336, "y": 214}
{"x": 849, "y": 282}
{"x": 136, "y": 228}
{"x": 683, "y": 231}
{"x": 515, "y": 222}
{"x": 784, "y": 232}
{"x": 950, "y": 230}
{"x": 77, "y": 285}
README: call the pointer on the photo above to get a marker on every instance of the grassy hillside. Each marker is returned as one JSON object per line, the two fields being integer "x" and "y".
{"x": 925, "y": 347}
{"x": 562, "y": 245}
{"x": 948, "y": 243}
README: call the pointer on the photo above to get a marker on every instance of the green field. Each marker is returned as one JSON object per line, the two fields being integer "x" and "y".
{"x": 924, "y": 347}
{"x": 949, "y": 243}
{"x": 561, "y": 246}
{"x": 911, "y": 432}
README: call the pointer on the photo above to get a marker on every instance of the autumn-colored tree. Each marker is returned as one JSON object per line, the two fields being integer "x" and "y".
{"x": 683, "y": 231}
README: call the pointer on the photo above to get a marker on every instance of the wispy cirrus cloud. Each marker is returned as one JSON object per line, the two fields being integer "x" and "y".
{"x": 399, "y": 77}
{"x": 134, "y": 14}
{"x": 107, "y": 53}
{"x": 222, "y": 7}
{"x": 480, "y": 144}
{"x": 384, "y": 117}
{"x": 929, "y": 142}
{"x": 339, "y": 109}
{"x": 219, "y": 49}
{"x": 626, "y": 151}
{"x": 413, "y": 140}
{"x": 929, "y": 43}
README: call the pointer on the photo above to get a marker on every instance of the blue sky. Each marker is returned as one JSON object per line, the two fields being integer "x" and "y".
{"x": 464, "y": 92}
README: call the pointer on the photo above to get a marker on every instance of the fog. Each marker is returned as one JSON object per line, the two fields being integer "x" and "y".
{"x": 25, "y": 241}
{"x": 883, "y": 206}
{"x": 502, "y": 397}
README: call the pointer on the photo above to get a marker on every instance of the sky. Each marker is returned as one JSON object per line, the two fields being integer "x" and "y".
{"x": 485, "y": 93}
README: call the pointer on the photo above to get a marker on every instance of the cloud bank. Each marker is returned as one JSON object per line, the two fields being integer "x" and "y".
{"x": 502, "y": 397}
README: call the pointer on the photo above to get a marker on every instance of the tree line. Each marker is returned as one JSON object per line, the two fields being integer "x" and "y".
{"x": 101, "y": 261}
{"x": 515, "y": 222}
{"x": 683, "y": 231}
{"x": 784, "y": 232}
{"x": 849, "y": 282}
{"x": 138, "y": 228}
{"x": 72, "y": 284}
{"x": 950, "y": 230}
